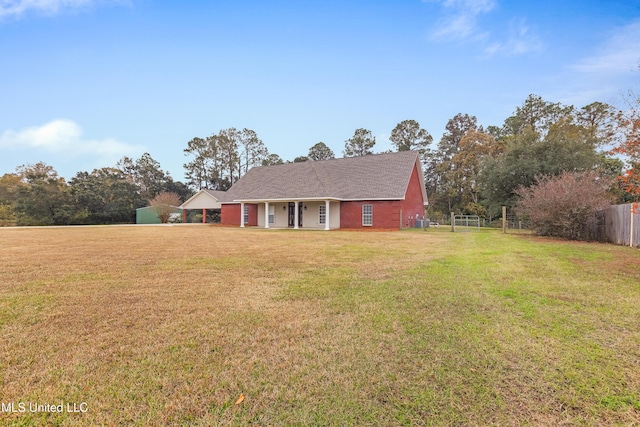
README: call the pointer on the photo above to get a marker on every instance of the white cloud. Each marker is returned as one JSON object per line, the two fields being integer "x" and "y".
{"x": 455, "y": 27}
{"x": 462, "y": 23}
{"x": 606, "y": 73}
{"x": 520, "y": 40}
{"x": 619, "y": 54}
{"x": 461, "y": 20}
{"x": 65, "y": 137}
{"x": 17, "y": 8}
{"x": 471, "y": 6}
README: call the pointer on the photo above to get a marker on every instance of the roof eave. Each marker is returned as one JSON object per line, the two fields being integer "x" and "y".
{"x": 309, "y": 199}
{"x": 283, "y": 199}
{"x": 423, "y": 189}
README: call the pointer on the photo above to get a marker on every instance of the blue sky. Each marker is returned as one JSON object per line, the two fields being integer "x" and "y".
{"x": 85, "y": 82}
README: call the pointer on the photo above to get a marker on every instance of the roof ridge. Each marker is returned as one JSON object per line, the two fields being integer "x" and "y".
{"x": 324, "y": 179}
{"x": 336, "y": 159}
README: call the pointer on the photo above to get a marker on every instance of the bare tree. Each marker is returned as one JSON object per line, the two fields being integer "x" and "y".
{"x": 164, "y": 204}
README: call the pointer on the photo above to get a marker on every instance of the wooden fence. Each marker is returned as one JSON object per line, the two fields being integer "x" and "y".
{"x": 614, "y": 225}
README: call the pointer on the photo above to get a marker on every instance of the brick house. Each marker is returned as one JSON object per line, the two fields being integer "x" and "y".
{"x": 384, "y": 191}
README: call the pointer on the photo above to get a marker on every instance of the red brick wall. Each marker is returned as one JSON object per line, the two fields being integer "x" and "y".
{"x": 413, "y": 204}
{"x": 386, "y": 214}
{"x": 230, "y": 214}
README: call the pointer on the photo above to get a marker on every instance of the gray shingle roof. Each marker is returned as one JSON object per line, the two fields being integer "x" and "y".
{"x": 381, "y": 176}
{"x": 219, "y": 195}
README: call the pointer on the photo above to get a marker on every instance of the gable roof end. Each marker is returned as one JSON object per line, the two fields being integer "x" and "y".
{"x": 215, "y": 198}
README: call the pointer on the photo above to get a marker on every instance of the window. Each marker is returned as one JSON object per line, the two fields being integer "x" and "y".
{"x": 272, "y": 214}
{"x": 322, "y": 217}
{"x": 367, "y": 215}
{"x": 246, "y": 214}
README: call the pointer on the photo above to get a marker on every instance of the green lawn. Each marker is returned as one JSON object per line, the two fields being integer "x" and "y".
{"x": 171, "y": 325}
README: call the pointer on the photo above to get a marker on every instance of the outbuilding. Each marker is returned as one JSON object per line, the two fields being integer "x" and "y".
{"x": 149, "y": 215}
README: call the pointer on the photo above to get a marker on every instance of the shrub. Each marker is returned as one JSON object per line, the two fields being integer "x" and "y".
{"x": 564, "y": 205}
{"x": 7, "y": 216}
{"x": 164, "y": 204}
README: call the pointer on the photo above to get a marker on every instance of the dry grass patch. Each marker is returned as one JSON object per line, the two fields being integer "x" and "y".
{"x": 169, "y": 325}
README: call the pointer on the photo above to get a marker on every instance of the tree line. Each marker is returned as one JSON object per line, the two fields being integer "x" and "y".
{"x": 555, "y": 165}
{"x": 476, "y": 171}
{"x": 37, "y": 195}
{"x": 219, "y": 160}
{"x": 471, "y": 170}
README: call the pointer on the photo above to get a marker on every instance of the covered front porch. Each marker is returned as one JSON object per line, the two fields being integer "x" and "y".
{"x": 323, "y": 214}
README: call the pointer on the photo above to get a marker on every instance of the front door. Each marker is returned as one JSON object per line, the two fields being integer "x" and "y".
{"x": 292, "y": 214}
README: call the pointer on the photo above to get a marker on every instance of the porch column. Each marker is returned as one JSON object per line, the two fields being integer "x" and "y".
{"x": 266, "y": 214}
{"x": 242, "y": 214}
{"x": 184, "y": 216}
{"x": 326, "y": 214}
{"x": 204, "y": 216}
{"x": 295, "y": 216}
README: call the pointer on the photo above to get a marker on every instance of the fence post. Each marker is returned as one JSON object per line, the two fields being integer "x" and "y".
{"x": 424, "y": 218}
{"x": 631, "y": 227}
{"x": 504, "y": 219}
{"x": 453, "y": 222}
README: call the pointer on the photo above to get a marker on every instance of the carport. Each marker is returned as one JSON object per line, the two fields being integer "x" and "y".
{"x": 204, "y": 200}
